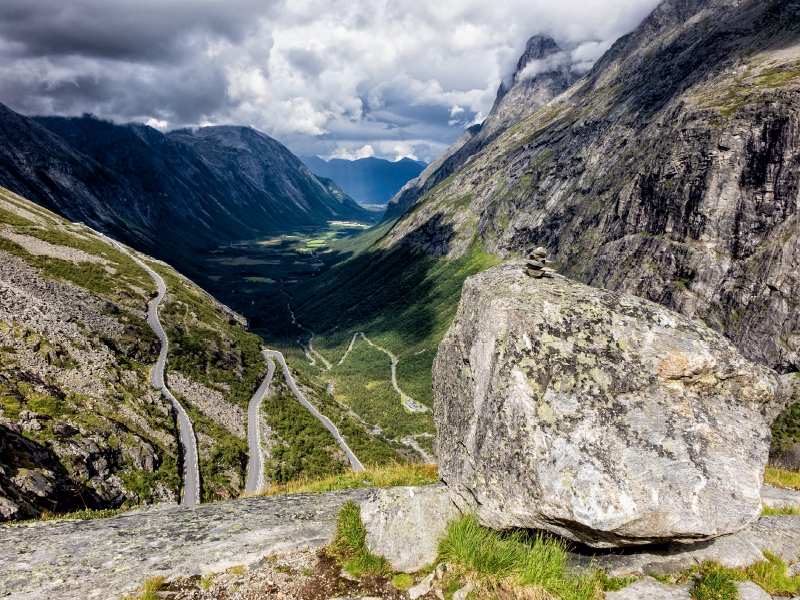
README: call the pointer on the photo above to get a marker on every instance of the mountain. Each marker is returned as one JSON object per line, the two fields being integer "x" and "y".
{"x": 669, "y": 171}
{"x": 81, "y": 425}
{"x": 542, "y": 73}
{"x": 170, "y": 194}
{"x": 367, "y": 180}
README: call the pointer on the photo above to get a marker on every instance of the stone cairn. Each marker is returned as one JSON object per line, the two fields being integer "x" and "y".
{"x": 537, "y": 265}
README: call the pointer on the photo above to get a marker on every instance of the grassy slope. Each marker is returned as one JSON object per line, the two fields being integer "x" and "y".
{"x": 134, "y": 351}
{"x": 210, "y": 348}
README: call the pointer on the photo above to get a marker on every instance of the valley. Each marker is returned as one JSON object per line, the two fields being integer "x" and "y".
{"x": 562, "y": 354}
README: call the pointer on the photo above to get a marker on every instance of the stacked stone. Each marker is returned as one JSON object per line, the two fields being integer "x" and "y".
{"x": 537, "y": 267}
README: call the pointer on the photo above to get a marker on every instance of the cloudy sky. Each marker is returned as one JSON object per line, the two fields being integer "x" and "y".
{"x": 346, "y": 78}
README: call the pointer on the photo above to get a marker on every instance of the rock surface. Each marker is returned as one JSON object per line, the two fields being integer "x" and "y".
{"x": 750, "y": 591}
{"x": 648, "y": 588}
{"x": 779, "y": 498}
{"x": 112, "y": 557}
{"x": 779, "y": 535}
{"x": 598, "y": 416}
{"x": 405, "y": 524}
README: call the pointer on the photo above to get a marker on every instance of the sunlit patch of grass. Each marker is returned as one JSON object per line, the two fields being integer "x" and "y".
{"x": 766, "y": 511}
{"x": 403, "y": 581}
{"x": 516, "y": 564}
{"x": 782, "y": 478}
{"x": 388, "y": 476}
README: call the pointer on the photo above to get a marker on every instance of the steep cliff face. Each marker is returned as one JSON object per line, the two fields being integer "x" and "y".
{"x": 211, "y": 186}
{"x": 540, "y": 76}
{"x": 670, "y": 171}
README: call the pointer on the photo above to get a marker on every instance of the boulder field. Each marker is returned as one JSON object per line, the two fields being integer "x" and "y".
{"x": 598, "y": 416}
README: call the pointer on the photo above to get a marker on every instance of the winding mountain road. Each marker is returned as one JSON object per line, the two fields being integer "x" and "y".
{"x": 408, "y": 401}
{"x": 191, "y": 469}
{"x": 354, "y": 462}
{"x": 255, "y": 466}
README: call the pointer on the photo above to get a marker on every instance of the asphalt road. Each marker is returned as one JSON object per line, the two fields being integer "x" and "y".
{"x": 408, "y": 401}
{"x": 191, "y": 469}
{"x": 354, "y": 462}
{"x": 255, "y": 466}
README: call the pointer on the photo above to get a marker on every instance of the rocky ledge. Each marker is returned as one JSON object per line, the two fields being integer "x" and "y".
{"x": 109, "y": 558}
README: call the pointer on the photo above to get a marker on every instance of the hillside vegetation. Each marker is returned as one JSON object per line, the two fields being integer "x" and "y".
{"x": 82, "y": 426}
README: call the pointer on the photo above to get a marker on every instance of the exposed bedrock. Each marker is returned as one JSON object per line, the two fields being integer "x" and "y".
{"x": 601, "y": 417}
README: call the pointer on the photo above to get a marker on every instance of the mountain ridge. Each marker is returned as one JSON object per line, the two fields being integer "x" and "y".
{"x": 141, "y": 185}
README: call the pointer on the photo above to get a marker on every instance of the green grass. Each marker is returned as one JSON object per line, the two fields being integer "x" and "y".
{"x": 390, "y": 476}
{"x": 403, "y": 581}
{"x": 81, "y": 515}
{"x": 773, "y": 577}
{"x": 349, "y": 548}
{"x": 766, "y": 511}
{"x": 518, "y": 564}
{"x": 782, "y": 478}
{"x": 714, "y": 582}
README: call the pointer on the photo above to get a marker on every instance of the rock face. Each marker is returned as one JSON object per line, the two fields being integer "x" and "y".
{"x": 405, "y": 524}
{"x": 598, "y": 416}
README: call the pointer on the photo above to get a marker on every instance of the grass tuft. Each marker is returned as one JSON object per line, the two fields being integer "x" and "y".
{"x": 782, "y": 478}
{"x": 766, "y": 511}
{"x": 350, "y": 546}
{"x": 517, "y": 564}
{"x": 715, "y": 582}
{"x": 772, "y": 575}
{"x": 155, "y": 584}
{"x": 387, "y": 476}
{"x": 403, "y": 581}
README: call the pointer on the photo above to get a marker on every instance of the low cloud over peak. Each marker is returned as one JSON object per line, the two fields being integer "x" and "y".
{"x": 332, "y": 77}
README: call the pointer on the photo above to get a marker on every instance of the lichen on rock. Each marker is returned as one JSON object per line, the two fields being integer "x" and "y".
{"x": 598, "y": 416}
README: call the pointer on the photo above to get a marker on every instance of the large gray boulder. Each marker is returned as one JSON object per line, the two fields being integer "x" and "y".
{"x": 406, "y": 524}
{"x": 598, "y": 416}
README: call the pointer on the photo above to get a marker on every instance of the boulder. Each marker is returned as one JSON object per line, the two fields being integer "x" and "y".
{"x": 405, "y": 524}
{"x": 598, "y": 416}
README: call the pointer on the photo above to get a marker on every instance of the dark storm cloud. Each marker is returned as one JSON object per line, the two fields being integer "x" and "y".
{"x": 332, "y": 77}
{"x": 133, "y": 31}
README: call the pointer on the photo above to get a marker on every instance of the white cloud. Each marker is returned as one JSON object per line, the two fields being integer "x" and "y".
{"x": 319, "y": 75}
{"x": 152, "y": 122}
{"x": 363, "y": 152}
